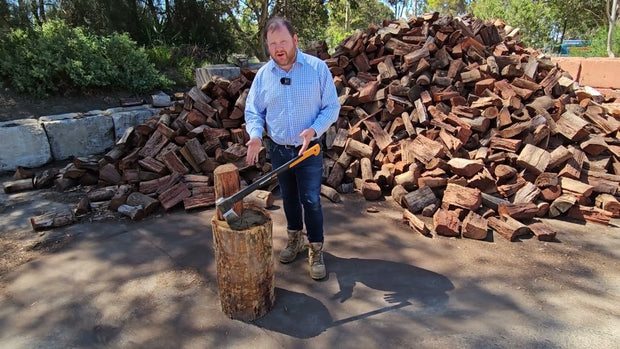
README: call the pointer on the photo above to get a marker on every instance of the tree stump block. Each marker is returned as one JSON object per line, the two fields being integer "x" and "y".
{"x": 244, "y": 259}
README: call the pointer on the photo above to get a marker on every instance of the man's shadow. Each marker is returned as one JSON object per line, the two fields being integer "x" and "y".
{"x": 301, "y": 316}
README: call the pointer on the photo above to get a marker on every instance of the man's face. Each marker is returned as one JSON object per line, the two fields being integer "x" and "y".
{"x": 282, "y": 47}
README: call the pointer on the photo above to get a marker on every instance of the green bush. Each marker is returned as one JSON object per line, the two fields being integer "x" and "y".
{"x": 55, "y": 57}
{"x": 131, "y": 67}
{"x": 179, "y": 62}
{"x": 598, "y": 45}
{"x": 187, "y": 68}
{"x": 161, "y": 56}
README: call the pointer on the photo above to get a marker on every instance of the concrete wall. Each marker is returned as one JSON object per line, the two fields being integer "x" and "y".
{"x": 597, "y": 72}
{"x": 36, "y": 142}
{"x": 24, "y": 143}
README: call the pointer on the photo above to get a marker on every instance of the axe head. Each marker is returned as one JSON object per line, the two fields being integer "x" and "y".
{"x": 225, "y": 205}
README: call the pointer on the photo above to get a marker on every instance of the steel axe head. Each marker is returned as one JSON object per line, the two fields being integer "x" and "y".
{"x": 225, "y": 205}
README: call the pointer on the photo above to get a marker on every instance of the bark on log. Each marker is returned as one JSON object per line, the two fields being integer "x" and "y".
{"x": 371, "y": 190}
{"x": 446, "y": 223}
{"x": 502, "y": 228}
{"x": 465, "y": 167}
{"x": 18, "y": 185}
{"x": 120, "y": 196}
{"x": 148, "y": 203}
{"x": 534, "y": 159}
{"x": 415, "y": 223}
{"x": 398, "y": 193}
{"x": 518, "y": 211}
{"x": 562, "y": 204}
{"x": 260, "y": 198}
{"x": 474, "y": 226}
{"x": 416, "y": 200}
{"x": 245, "y": 271}
{"x": 206, "y": 199}
{"x": 330, "y": 193}
{"x": 590, "y": 214}
{"x": 102, "y": 194}
{"x": 609, "y": 203}
{"x": 459, "y": 196}
{"x": 227, "y": 183}
{"x": 136, "y": 213}
{"x": 54, "y": 219}
{"x": 173, "y": 196}
{"x": 542, "y": 231}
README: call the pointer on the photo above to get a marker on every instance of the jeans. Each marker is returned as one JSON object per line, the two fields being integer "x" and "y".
{"x": 300, "y": 186}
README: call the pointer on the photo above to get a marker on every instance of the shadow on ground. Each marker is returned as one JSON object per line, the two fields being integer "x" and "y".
{"x": 301, "y": 316}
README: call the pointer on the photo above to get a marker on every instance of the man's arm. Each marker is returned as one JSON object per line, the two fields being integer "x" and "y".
{"x": 254, "y": 112}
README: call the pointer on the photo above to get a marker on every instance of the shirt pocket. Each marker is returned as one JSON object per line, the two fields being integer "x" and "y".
{"x": 308, "y": 95}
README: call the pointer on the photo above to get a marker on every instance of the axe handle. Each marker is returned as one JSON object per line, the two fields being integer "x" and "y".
{"x": 231, "y": 200}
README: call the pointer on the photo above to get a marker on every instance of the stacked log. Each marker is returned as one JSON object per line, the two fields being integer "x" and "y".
{"x": 451, "y": 115}
{"x": 462, "y": 109}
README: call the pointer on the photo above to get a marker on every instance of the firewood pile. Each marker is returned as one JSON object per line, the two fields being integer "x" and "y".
{"x": 452, "y": 117}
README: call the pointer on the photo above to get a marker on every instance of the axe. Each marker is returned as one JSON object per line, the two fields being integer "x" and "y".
{"x": 226, "y": 204}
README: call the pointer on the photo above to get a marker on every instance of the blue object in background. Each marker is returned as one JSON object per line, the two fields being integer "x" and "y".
{"x": 568, "y": 45}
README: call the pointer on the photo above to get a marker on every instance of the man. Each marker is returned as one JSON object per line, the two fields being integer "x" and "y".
{"x": 293, "y": 98}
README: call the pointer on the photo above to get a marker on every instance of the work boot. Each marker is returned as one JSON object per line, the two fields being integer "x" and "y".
{"x": 294, "y": 245}
{"x": 315, "y": 258}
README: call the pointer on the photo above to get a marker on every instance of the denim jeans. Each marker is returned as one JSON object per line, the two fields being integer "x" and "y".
{"x": 300, "y": 186}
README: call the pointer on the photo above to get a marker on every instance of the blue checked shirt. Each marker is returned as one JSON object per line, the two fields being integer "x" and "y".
{"x": 310, "y": 101}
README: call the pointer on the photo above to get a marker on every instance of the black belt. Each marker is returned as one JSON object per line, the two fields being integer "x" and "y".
{"x": 287, "y": 146}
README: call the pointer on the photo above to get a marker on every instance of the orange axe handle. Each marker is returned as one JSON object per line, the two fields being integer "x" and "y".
{"x": 226, "y": 204}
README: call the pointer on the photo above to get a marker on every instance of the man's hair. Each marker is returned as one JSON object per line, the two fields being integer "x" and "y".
{"x": 276, "y": 23}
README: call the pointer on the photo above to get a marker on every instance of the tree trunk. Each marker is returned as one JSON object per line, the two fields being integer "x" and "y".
{"x": 245, "y": 271}
{"x": 612, "y": 23}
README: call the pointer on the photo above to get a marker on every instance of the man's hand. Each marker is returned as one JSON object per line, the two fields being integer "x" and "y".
{"x": 306, "y": 136}
{"x": 253, "y": 145}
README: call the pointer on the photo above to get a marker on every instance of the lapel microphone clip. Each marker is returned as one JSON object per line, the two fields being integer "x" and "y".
{"x": 285, "y": 81}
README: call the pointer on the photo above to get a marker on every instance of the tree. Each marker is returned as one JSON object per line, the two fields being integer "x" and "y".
{"x": 199, "y": 23}
{"x": 575, "y": 19}
{"x": 405, "y": 8}
{"x": 346, "y": 16}
{"x": 5, "y": 15}
{"x": 612, "y": 13}
{"x": 534, "y": 18}
{"x": 249, "y": 18}
{"x": 449, "y": 7}
{"x": 549, "y": 21}
{"x": 38, "y": 11}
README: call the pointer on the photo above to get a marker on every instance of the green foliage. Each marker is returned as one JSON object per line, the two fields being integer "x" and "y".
{"x": 577, "y": 18}
{"x": 546, "y": 23}
{"x": 187, "y": 67}
{"x": 180, "y": 62}
{"x": 535, "y": 18}
{"x": 347, "y": 16}
{"x": 130, "y": 66}
{"x": 161, "y": 56}
{"x": 448, "y": 7}
{"x": 309, "y": 17}
{"x": 199, "y": 23}
{"x": 598, "y": 45}
{"x": 489, "y": 9}
{"x": 55, "y": 57}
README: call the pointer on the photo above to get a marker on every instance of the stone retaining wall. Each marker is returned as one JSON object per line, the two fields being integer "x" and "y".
{"x": 36, "y": 142}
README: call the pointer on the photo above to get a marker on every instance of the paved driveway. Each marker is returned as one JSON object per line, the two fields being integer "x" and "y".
{"x": 152, "y": 284}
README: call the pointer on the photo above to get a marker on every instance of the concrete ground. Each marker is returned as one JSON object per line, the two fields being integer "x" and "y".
{"x": 115, "y": 283}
